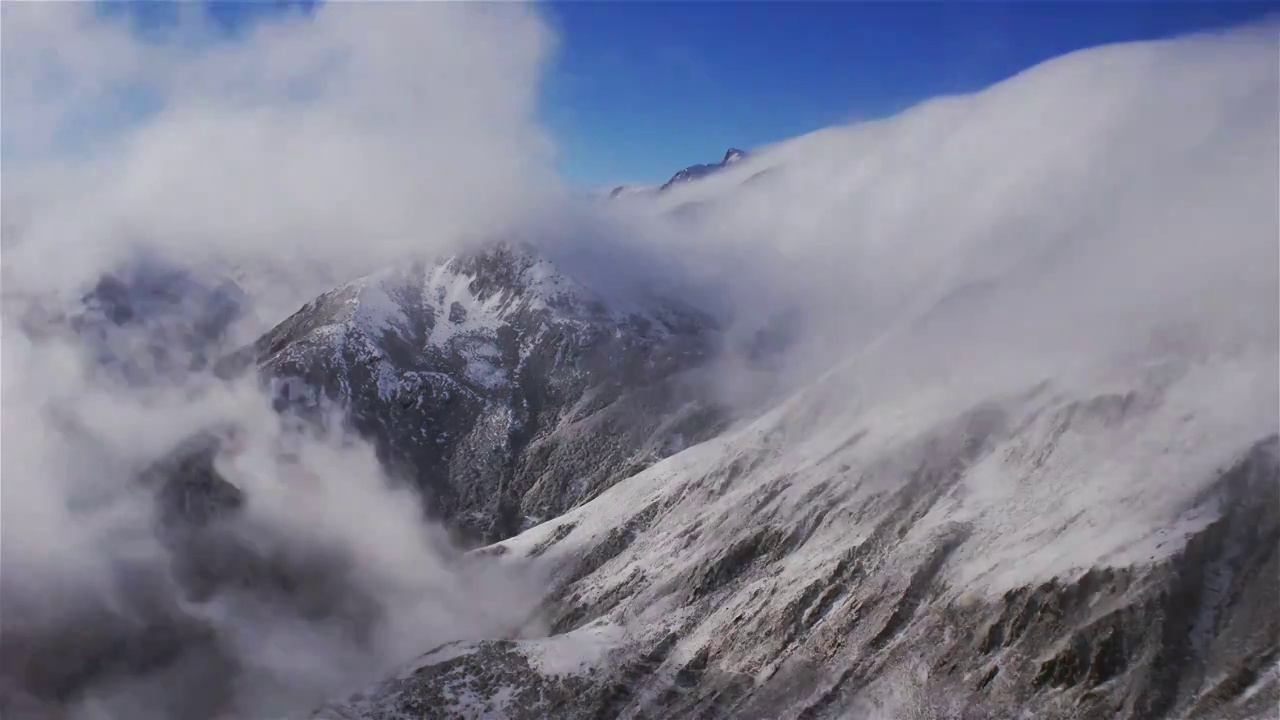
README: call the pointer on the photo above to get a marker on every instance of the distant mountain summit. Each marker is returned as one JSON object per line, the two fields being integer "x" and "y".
{"x": 693, "y": 172}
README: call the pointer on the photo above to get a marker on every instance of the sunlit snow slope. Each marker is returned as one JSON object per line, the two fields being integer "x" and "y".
{"x": 1037, "y": 473}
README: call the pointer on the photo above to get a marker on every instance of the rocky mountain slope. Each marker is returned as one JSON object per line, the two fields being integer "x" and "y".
{"x": 1038, "y": 487}
{"x": 505, "y": 389}
{"x": 1036, "y": 475}
{"x": 863, "y": 569}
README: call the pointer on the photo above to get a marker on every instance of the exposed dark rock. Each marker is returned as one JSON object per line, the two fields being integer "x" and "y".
{"x": 533, "y": 398}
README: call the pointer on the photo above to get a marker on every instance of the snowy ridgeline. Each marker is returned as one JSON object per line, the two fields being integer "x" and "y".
{"x": 1045, "y": 477}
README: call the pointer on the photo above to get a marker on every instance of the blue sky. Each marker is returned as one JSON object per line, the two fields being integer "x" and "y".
{"x": 643, "y": 89}
{"x": 640, "y": 89}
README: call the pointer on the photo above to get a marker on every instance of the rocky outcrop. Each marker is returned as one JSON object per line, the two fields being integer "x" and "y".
{"x": 505, "y": 390}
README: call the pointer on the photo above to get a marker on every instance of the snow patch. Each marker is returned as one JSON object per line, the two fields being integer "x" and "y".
{"x": 573, "y": 652}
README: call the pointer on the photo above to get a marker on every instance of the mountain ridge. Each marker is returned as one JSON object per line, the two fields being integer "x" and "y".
{"x": 685, "y": 175}
{"x": 495, "y": 354}
{"x": 1032, "y": 488}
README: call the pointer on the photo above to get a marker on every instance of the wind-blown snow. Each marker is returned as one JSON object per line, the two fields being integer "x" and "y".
{"x": 1089, "y": 247}
{"x": 1102, "y": 202}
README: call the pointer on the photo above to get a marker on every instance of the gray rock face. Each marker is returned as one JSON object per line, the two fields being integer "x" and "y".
{"x": 507, "y": 391}
{"x": 735, "y": 582}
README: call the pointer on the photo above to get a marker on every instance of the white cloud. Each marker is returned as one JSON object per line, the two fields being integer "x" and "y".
{"x": 349, "y": 138}
{"x": 1092, "y": 208}
{"x": 314, "y": 147}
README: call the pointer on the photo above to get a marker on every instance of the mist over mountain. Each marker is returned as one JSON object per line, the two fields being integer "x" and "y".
{"x": 689, "y": 174}
{"x": 323, "y": 398}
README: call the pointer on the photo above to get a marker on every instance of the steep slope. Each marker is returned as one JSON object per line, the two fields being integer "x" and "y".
{"x": 965, "y": 569}
{"x": 505, "y": 389}
{"x": 1041, "y": 478}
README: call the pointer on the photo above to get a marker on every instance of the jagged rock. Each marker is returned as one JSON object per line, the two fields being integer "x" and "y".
{"x": 507, "y": 391}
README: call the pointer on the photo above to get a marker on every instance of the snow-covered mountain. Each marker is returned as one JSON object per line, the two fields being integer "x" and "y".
{"x": 504, "y": 388}
{"x": 1027, "y": 463}
{"x": 1044, "y": 483}
{"x": 981, "y": 566}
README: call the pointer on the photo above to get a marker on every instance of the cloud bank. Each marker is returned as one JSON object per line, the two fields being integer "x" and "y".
{"x": 402, "y": 126}
{"x": 317, "y": 146}
{"x": 1113, "y": 207}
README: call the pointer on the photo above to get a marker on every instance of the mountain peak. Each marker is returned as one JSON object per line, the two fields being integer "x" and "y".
{"x": 694, "y": 172}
